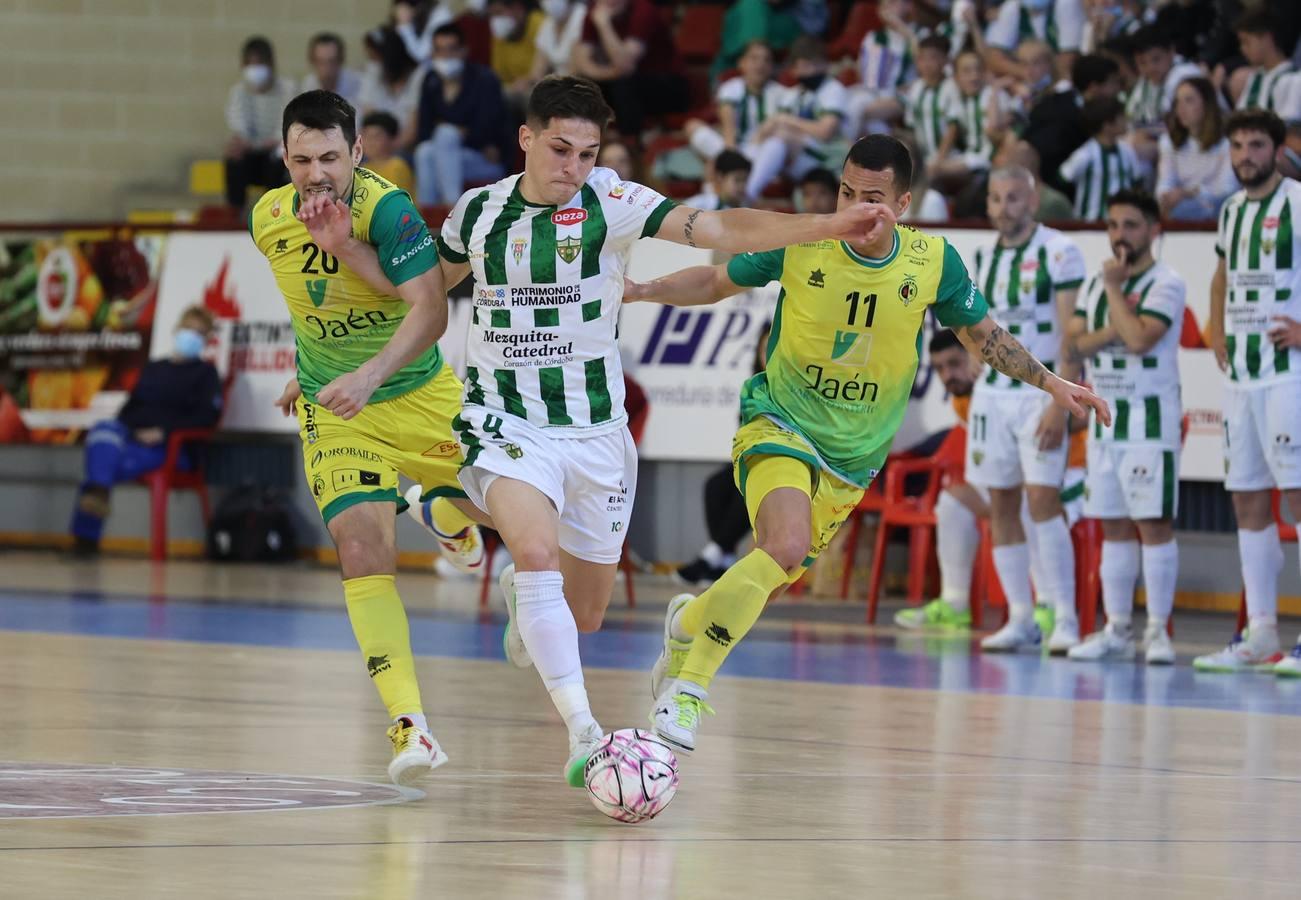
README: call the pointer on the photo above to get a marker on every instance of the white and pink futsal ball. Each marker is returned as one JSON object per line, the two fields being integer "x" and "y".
{"x": 631, "y": 776}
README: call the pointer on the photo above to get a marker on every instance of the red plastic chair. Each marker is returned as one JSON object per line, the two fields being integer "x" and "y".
{"x": 170, "y": 477}
{"x": 1086, "y": 536}
{"x": 872, "y": 504}
{"x": 699, "y": 33}
{"x": 862, "y": 18}
{"x": 1286, "y": 533}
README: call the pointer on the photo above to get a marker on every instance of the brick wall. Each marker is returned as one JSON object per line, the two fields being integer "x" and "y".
{"x": 103, "y": 101}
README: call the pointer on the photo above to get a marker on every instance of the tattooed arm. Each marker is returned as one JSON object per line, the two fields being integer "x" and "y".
{"x": 1005, "y": 353}
{"x": 754, "y": 230}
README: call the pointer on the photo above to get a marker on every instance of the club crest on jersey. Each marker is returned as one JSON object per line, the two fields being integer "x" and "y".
{"x": 817, "y": 279}
{"x": 517, "y": 247}
{"x": 569, "y": 248}
{"x": 571, "y": 216}
{"x": 908, "y": 290}
{"x": 1267, "y": 246}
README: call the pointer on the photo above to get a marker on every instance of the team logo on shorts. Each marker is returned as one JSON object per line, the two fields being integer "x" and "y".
{"x": 978, "y": 457}
{"x": 514, "y": 451}
{"x": 908, "y": 290}
{"x": 569, "y": 248}
{"x": 517, "y": 247}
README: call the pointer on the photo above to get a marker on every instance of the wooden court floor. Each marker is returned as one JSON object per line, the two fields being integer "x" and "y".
{"x": 226, "y": 743}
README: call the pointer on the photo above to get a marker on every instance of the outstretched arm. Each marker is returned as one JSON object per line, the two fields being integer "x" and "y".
{"x": 696, "y": 286}
{"x": 330, "y": 225}
{"x": 753, "y": 230}
{"x": 1003, "y": 352}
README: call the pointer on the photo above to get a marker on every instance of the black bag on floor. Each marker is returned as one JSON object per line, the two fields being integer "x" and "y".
{"x": 252, "y": 524}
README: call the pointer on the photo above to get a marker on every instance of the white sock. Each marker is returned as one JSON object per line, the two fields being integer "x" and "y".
{"x": 956, "y": 541}
{"x": 712, "y": 554}
{"x": 1262, "y": 561}
{"x": 551, "y": 636}
{"x": 1119, "y": 574}
{"x": 417, "y": 719}
{"x": 1012, "y": 562}
{"x": 1037, "y": 580}
{"x": 769, "y": 160}
{"x": 1053, "y": 543}
{"x": 1160, "y": 572}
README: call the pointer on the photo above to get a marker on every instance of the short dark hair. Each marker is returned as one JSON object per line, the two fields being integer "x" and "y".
{"x": 1140, "y": 200}
{"x": 878, "y": 152}
{"x": 261, "y": 46}
{"x": 384, "y": 120}
{"x": 1258, "y": 21}
{"x": 824, "y": 177}
{"x": 567, "y": 97}
{"x": 320, "y": 110}
{"x": 807, "y": 47}
{"x": 327, "y": 37}
{"x": 1090, "y": 69}
{"x": 730, "y": 161}
{"x": 1099, "y": 113}
{"x": 452, "y": 29}
{"x": 935, "y": 42}
{"x": 944, "y": 339}
{"x": 1150, "y": 37}
{"x": 1255, "y": 119}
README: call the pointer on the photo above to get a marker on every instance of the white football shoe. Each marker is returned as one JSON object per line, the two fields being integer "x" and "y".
{"x": 674, "y": 653}
{"x": 1109, "y": 643}
{"x": 1066, "y": 634}
{"x": 676, "y": 715}
{"x": 415, "y": 753}
{"x": 463, "y": 550}
{"x": 1016, "y": 635}
{"x": 1158, "y": 649}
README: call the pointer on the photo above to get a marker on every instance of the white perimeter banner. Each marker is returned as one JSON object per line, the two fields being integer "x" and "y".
{"x": 691, "y": 362}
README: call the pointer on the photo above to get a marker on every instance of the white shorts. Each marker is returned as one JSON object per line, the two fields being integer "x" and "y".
{"x": 1002, "y": 450}
{"x": 1131, "y": 481}
{"x": 1262, "y": 436}
{"x": 590, "y": 480}
{"x": 1072, "y": 497}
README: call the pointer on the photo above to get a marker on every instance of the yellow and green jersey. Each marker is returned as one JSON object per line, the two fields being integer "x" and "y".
{"x": 846, "y": 340}
{"x": 339, "y": 320}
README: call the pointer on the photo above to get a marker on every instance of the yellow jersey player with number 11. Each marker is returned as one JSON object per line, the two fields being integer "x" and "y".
{"x": 818, "y": 422}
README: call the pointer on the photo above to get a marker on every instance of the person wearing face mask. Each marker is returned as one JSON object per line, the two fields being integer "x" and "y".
{"x": 562, "y": 26}
{"x": 179, "y": 391}
{"x": 461, "y": 125}
{"x": 253, "y": 116}
{"x": 1059, "y": 22}
{"x": 515, "y": 30}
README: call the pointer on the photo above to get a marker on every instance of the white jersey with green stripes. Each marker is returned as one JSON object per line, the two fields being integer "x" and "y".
{"x": 971, "y": 115}
{"x": 1142, "y": 389}
{"x": 1098, "y": 172}
{"x": 1021, "y": 284}
{"x": 1277, "y": 90}
{"x": 548, "y": 282}
{"x": 1261, "y": 247}
{"x": 926, "y": 109}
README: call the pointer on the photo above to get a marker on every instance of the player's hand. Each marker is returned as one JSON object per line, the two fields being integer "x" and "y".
{"x": 328, "y": 221}
{"x": 862, "y": 222}
{"x": 1220, "y": 348}
{"x": 346, "y": 395}
{"x": 1052, "y": 428}
{"x": 149, "y": 436}
{"x": 287, "y": 402}
{"x": 1285, "y": 332}
{"x": 1077, "y": 399}
{"x": 1115, "y": 269}
{"x": 634, "y": 291}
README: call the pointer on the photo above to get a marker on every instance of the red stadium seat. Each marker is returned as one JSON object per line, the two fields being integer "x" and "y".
{"x": 862, "y": 18}
{"x": 699, "y": 33}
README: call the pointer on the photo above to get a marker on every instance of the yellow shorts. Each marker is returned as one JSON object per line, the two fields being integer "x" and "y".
{"x": 766, "y": 457}
{"x": 358, "y": 460}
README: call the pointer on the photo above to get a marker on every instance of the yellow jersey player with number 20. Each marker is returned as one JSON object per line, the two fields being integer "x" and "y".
{"x": 818, "y": 422}
{"x": 372, "y": 395}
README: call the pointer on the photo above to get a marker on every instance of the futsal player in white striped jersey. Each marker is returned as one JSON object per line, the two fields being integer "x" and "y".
{"x": 1255, "y": 328}
{"x": 1126, "y": 331}
{"x": 543, "y": 429}
{"x": 1015, "y": 441}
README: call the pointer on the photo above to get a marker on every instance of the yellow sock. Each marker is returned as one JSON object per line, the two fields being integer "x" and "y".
{"x": 449, "y": 520}
{"x": 734, "y": 604}
{"x": 380, "y": 624}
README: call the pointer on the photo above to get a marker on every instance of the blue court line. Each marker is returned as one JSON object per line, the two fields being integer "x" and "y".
{"x": 797, "y": 653}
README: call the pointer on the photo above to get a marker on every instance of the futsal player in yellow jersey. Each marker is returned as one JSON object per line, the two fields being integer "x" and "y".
{"x": 372, "y": 395}
{"x": 817, "y": 423}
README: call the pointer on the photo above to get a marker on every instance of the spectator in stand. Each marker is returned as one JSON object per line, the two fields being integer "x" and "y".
{"x": 978, "y": 118}
{"x": 817, "y": 192}
{"x": 726, "y": 186}
{"x": 745, "y": 103}
{"x": 1194, "y": 175}
{"x": 1160, "y": 71}
{"x": 416, "y": 21}
{"x": 1054, "y": 206}
{"x": 627, "y": 49}
{"x": 392, "y": 84}
{"x": 885, "y": 69}
{"x": 515, "y": 30}
{"x": 807, "y": 124}
{"x": 253, "y": 112}
{"x": 1059, "y": 22}
{"x": 561, "y": 30}
{"x": 776, "y": 23}
{"x": 616, "y": 155}
{"x": 181, "y": 391}
{"x": 1289, "y": 162}
{"x": 1035, "y": 58}
{"x": 325, "y": 57}
{"x": 1105, "y": 20}
{"x": 1104, "y": 164}
{"x": 1054, "y": 128}
{"x": 1202, "y": 29}
{"x": 1273, "y": 84}
{"x": 927, "y": 99}
{"x": 462, "y": 123}
{"x": 379, "y": 138}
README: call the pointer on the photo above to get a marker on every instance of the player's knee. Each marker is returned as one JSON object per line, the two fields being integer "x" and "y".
{"x": 1045, "y": 502}
{"x": 534, "y": 555}
{"x": 589, "y": 620}
{"x": 788, "y": 549}
{"x": 359, "y": 557}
